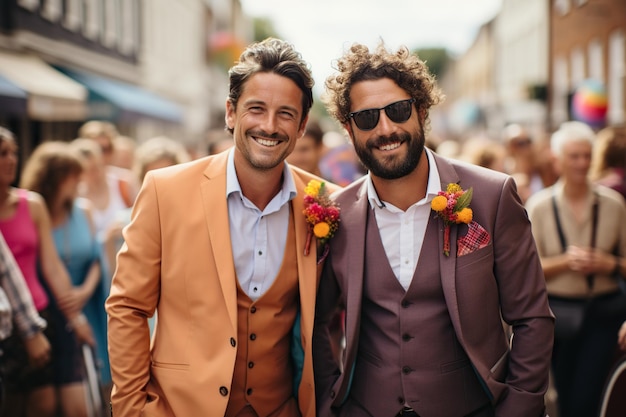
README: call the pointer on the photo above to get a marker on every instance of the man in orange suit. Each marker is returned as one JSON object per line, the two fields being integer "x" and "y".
{"x": 216, "y": 248}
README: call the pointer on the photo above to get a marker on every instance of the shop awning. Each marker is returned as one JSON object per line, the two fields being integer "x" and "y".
{"x": 122, "y": 102}
{"x": 12, "y": 98}
{"x": 51, "y": 95}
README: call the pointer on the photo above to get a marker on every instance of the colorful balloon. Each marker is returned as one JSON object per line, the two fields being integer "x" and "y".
{"x": 590, "y": 103}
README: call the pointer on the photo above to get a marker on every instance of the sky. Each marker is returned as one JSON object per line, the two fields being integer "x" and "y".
{"x": 323, "y": 29}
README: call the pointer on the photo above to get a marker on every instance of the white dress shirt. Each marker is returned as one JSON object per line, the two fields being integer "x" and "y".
{"x": 257, "y": 237}
{"x": 402, "y": 232}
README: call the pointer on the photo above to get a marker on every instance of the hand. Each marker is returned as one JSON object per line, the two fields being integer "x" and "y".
{"x": 38, "y": 349}
{"x": 82, "y": 330}
{"x": 621, "y": 337}
{"x": 73, "y": 301}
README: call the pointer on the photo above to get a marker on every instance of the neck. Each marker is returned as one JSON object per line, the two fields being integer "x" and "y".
{"x": 258, "y": 186}
{"x": 406, "y": 191}
{"x": 575, "y": 191}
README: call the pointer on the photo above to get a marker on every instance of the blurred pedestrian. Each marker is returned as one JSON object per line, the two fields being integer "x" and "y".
{"x": 216, "y": 247}
{"x": 25, "y": 225}
{"x": 608, "y": 166}
{"x": 580, "y": 230}
{"x": 309, "y": 149}
{"x": 424, "y": 293}
{"x": 54, "y": 171}
{"x": 23, "y": 322}
{"x": 158, "y": 152}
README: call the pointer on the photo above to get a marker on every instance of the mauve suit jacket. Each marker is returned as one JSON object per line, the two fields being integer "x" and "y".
{"x": 177, "y": 258}
{"x": 503, "y": 277}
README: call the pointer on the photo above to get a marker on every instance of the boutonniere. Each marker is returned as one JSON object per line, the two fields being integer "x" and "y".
{"x": 321, "y": 214}
{"x": 452, "y": 206}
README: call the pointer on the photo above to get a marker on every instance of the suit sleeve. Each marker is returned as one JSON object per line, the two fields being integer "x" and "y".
{"x": 524, "y": 306}
{"x": 135, "y": 289}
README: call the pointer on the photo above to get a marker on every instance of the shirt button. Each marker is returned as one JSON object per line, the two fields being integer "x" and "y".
{"x": 223, "y": 391}
{"x": 233, "y": 343}
{"x": 249, "y": 391}
{"x": 255, "y": 289}
{"x": 253, "y": 336}
{"x": 250, "y": 365}
{"x": 253, "y": 309}
{"x": 260, "y": 253}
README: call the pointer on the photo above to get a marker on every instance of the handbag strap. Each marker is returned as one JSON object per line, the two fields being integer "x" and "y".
{"x": 594, "y": 229}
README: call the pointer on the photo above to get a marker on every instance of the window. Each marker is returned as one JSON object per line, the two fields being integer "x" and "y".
{"x": 73, "y": 14}
{"x": 129, "y": 27}
{"x": 93, "y": 13}
{"x": 596, "y": 60}
{"x": 562, "y": 6}
{"x": 561, "y": 90}
{"x": 52, "y": 10}
{"x": 111, "y": 23}
{"x": 31, "y": 5}
{"x": 577, "y": 67}
{"x": 617, "y": 77}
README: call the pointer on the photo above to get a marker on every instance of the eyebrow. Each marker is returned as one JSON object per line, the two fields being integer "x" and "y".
{"x": 254, "y": 101}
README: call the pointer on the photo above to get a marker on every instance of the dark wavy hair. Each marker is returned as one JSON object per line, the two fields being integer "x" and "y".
{"x": 359, "y": 64}
{"x": 50, "y": 164}
{"x": 275, "y": 56}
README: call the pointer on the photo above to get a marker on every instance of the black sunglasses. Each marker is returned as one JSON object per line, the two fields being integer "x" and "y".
{"x": 398, "y": 112}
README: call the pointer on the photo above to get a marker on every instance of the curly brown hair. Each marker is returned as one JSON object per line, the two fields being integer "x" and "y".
{"x": 407, "y": 70}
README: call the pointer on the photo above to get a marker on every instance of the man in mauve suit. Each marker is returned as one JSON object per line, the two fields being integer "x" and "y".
{"x": 216, "y": 248}
{"x": 424, "y": 306}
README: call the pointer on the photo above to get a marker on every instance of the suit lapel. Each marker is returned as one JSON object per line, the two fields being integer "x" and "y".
{"x": 447, "y": 264}
{"x": 307, "y": 265}
{"x": 355, "y": 224}
{"x": 216, "y": 214}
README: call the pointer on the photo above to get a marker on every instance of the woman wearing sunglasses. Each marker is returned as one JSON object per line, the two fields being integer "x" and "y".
{"x": 423, "y": 271}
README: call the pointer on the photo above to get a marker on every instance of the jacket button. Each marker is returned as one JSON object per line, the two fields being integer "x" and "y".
{"x": 406, "y": 337}
{"x": 400, "y": 400}
{"x": 253, "y": 309}
{"x": 332, "y": 394}
{"x": 253, "y": 336}
{"x": 405, "y": 304}
{"x": 223, "y": 391}
{"x": 233, "y": 343}
{"x": 250, "y": 365}
{"x": 249, "y": 391}
{"x": 406, "y": 370}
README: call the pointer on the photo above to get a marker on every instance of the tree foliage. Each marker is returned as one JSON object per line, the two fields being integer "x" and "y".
{"x": 437, "y": 60}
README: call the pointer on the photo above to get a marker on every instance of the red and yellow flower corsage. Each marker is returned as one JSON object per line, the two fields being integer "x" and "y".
{"x": 452, "y": 206}
{"x": 321, "y": 213}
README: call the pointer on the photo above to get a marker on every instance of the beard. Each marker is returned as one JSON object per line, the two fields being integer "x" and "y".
{"x": 392, "y": 167}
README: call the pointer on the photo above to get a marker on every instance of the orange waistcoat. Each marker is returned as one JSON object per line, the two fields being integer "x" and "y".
{"x": 263, "y": 370}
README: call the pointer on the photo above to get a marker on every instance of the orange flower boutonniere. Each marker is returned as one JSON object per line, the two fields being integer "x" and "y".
{"x": 452, "y": 206}
{"x": 321, "y": 213}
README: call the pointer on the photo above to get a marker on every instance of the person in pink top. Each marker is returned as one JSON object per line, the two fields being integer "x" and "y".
{"x": 25, "y": 225}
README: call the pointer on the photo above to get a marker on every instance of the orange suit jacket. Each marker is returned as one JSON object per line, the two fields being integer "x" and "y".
{"x": 177, "y": 258}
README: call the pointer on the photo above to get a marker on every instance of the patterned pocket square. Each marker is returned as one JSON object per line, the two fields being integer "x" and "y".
{"x": 476, "y": 238}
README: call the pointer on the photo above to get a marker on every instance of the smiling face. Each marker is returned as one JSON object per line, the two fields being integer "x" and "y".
{"x": 390, "y": 150}
{"x": 266, "y": 122}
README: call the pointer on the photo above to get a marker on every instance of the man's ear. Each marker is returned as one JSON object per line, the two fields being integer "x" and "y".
{"x": 302, "y": 129}
{"x": 229, "y": 118}
{"x": 348, "y": 126}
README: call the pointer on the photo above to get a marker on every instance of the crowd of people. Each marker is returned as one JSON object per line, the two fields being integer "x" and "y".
{"x": 447, "y": 287}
